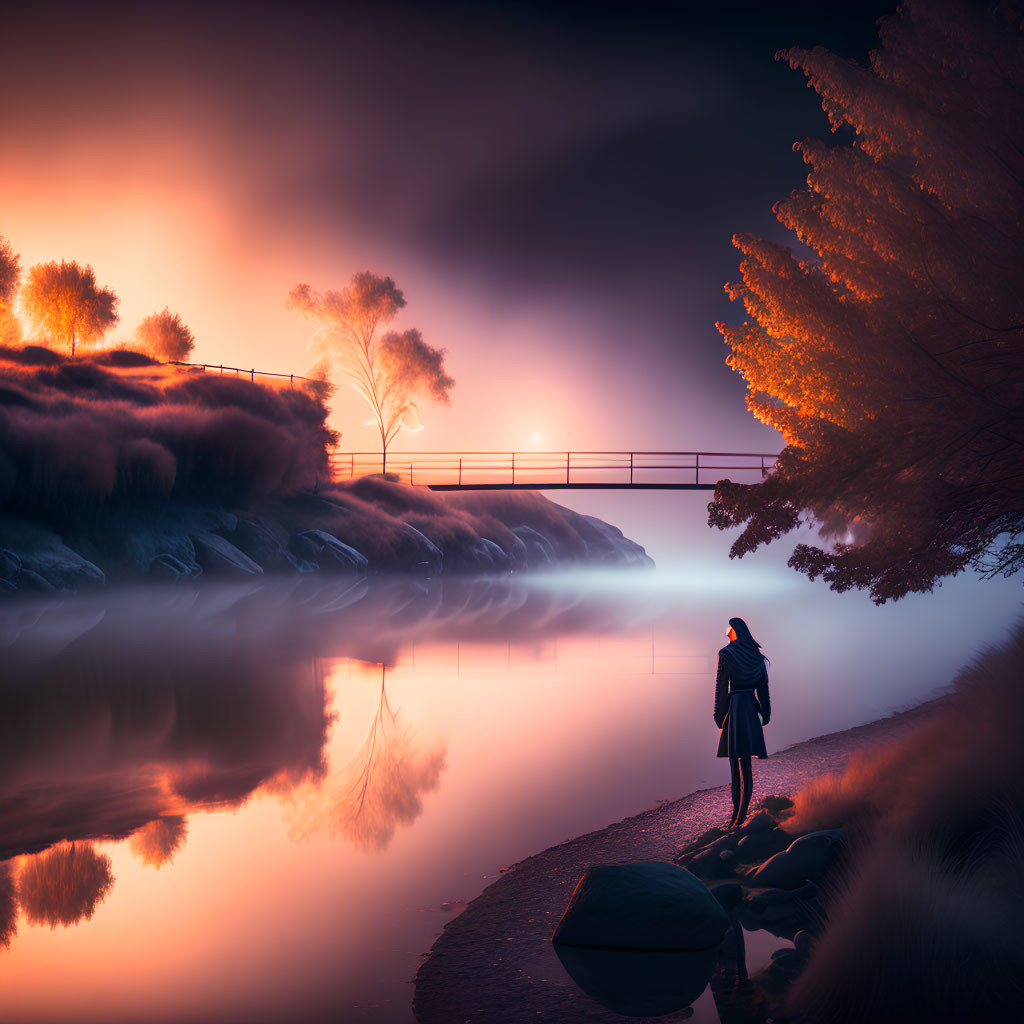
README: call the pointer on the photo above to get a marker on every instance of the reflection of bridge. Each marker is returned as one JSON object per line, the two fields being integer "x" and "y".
{"x": 638, "y": 654}
{"x": 537, "y": 471}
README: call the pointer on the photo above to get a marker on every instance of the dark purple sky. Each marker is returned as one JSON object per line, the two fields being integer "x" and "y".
{"x": 554, "y": 185}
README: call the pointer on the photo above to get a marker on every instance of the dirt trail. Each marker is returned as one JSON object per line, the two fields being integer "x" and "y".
{"x": 494, "y": 963}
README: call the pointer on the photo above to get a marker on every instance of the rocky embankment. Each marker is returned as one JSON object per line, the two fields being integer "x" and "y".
{"x": 371, "y": 525}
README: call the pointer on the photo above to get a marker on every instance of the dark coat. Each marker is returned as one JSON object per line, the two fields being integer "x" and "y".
{"x": 741, "y": 691}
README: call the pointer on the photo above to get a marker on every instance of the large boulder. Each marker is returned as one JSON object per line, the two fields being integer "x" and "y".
{"x": 219, "y": 557}
{"x": 59, "y": 566}
{"x": 540, "y": 552}
{"x": 167, "y": 567}
{"x": 807, "y": 859}
{"x": 10, "y": 564}
{"x": 608, "y": 544}
{"x": 141, "y": 546}
{"x": 782, "y": 912}
{"x": 267, "y": 545}
{"x": 649, "y": 905}
{"x": 479, "y": 555}
{"x": 414, "y": 551}
{"x": 326, "y": 551}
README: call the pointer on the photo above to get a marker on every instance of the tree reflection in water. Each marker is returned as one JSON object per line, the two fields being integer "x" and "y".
{"x": 156, "y": 843}
{"x": 64, "y": 884}
{"x": 8, "y": 905}
{"x": 380, "y": 788}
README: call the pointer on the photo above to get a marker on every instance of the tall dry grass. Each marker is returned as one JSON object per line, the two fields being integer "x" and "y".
{"x": 925, "y": 922}
{"x": 113, "y": 431}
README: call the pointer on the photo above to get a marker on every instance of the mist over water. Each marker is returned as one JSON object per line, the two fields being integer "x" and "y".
{"x": 263, "y": 801}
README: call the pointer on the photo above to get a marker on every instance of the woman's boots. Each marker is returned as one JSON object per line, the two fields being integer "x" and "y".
{"x": 742, "y": 787}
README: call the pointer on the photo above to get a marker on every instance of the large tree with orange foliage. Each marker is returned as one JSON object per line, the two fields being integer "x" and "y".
{"x": 890, "y": 351}
{"x": 64, "y": 301}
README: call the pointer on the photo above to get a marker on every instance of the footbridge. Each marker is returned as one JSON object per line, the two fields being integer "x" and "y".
{"x": 553, "y": 471}
{"x": 530, "y": 471}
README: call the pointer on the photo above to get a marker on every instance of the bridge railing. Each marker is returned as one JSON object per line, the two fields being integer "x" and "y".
{"x": 557, "y": 469}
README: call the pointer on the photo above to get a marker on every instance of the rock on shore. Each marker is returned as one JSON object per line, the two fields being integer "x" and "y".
{"x": 373, "y": 524}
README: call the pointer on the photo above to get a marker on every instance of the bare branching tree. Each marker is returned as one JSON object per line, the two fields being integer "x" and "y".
{"x": 380, "y": 789}
{"x": 391, "y": 371}
{"x": 64, "y": 301}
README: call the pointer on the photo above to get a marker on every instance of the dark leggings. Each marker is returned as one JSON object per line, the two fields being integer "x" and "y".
{"x": 741, "y": 773}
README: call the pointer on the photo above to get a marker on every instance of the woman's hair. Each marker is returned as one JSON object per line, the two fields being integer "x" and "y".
{"x": 744, "y": 636}
{"x": 743, "y": 632}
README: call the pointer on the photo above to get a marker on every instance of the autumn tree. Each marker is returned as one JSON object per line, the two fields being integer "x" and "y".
{"x": 392, "y": 371}
{"x": 165, "y": 336}
{"x": 64, "y": 885}
{"x": 889, "y": 353}
{"x": 64, "y": 301}
{"x": 10, "y": 275}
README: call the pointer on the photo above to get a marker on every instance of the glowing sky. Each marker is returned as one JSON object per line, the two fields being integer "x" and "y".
{"x": 553, "y": 185}
{"x": 554, "y": 192}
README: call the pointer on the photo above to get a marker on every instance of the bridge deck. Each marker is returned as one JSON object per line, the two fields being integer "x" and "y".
{"x": 539, "y": 471}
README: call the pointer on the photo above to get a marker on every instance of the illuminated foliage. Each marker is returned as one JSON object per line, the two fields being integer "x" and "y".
{"x": 64, "y": 884}
{"x": 158, "y": 841}
{"x": 64, "y": 301}
{"x": 8, "y": 905}
{"x": 391, "y": 371}
{"x": 10, "y": 275}
{"x": 890, "y": 356}
{"x": 164, "y": 336}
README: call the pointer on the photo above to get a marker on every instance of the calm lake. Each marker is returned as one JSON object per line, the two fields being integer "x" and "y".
{"x": 263, "y": 802}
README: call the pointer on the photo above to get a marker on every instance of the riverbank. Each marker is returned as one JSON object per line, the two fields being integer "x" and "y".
{"x": 370, "y": 525}
{"x": 115, "y": 468}
{"x": 495, "y": 962}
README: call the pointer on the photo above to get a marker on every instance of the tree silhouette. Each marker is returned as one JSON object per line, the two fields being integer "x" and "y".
{"x": 10, "y": 275}
{"x": 64, "y": 884}
{"x": 158, "y": 841}
{"x": 63, "y": 300}
{"x": 391, "y": 371}
{"x": 892, "y": 361}
{"x": 165, "y": 336}
{"x": 8, "y": 905}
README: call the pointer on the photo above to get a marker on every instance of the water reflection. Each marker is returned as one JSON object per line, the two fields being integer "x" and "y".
{"x": 157, "y": 842}
{"x": 419, "y": 735}
{"x": 640, "y": 984}
{"x": 8, "y": 904}
{"x": 64, "y": 885}
{"x": 381, "y": 787}
{"x": 669, "y": 984}
{"x": 122, "y": 714}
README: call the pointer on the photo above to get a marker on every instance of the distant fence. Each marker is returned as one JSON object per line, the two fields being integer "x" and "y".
{"x": 238, "y": 371}
{"x": 450, "y": 471}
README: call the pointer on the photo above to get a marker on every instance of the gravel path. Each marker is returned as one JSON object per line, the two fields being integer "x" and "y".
{"x": 494, "y": 963}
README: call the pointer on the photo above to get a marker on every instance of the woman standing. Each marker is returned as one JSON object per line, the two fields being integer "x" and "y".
{"x": 742, "y": 706}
